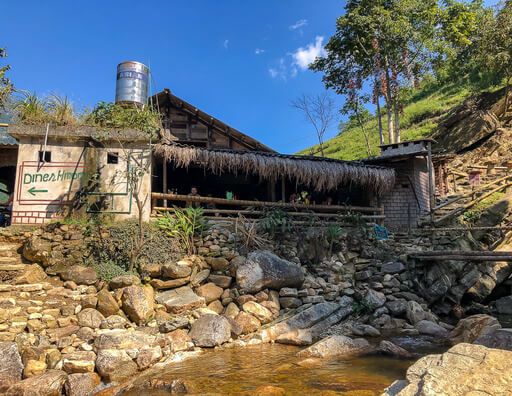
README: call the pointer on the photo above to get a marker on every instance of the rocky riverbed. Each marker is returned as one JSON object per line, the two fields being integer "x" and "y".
{"x": 64, "y": 330}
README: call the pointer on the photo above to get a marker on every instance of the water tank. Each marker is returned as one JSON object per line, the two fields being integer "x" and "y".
{"x": 132, "y": 83}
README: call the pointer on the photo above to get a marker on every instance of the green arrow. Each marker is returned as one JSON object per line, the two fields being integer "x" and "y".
{"x": 33, "y": 191}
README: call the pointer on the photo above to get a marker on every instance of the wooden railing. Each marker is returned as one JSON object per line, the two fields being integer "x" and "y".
{"x": 250, "y": 208}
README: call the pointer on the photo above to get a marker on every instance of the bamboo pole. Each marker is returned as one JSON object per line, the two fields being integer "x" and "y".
{"x": 240, "y": 202}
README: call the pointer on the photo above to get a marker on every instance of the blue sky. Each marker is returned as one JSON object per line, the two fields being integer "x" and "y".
{"x": 241, "y": 61}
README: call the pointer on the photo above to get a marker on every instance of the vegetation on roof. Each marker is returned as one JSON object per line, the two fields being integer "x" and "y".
{"x": 31, "y": 109}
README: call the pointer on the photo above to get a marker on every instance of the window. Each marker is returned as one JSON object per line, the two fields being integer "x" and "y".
{"x": 45, "y": 156}
{"x": 112, "y": 158}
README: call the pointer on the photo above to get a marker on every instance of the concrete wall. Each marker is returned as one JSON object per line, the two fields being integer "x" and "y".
{"x": 76, "y": 177}
{"x": 409, "y": 198}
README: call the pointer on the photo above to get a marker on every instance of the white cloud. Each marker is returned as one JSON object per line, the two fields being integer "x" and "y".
{"x": 225, "y": 44}
{"x": 303, "y": 57}
{"x": 259, "y": 51}
{"x": 299, "y": 24}
{"x": 279, "y": 71}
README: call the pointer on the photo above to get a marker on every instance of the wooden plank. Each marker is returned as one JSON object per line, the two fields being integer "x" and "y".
{"x": 239, "y": 202}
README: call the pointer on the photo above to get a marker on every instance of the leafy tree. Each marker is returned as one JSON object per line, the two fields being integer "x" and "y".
{"x": 358, "y": 115}
{"x": 6, "y": 86}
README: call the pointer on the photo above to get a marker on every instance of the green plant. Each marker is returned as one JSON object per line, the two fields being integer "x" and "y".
{"x": 361, "y": 307}
{"x": 184, "y": 225}
{"x": 111, "y": 115}
{"x": 276, "y": 222}
{"x": 472, "y": 215}
{"x": 61, "y": 110}
{"x": 332, "y": 234}
{"x": 31, "y": 109}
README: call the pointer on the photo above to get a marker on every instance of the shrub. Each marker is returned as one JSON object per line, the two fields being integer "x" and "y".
{"x": 184, "y": 225}
{"x": 276, "y": 222}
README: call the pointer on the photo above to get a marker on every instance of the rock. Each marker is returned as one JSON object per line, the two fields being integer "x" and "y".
{"x": 374, "y": 299}
{"x": 362, "y": 275}
{"x": 216, "y": 306}
{"x": 180, "y": 300}
{"x": 473, "y": 327}
{"x": 200, "y": 277}
{"x": 290, "y": 302}
{"x": 50, "y": 383}
{"x": 390, "y": 349}
{"x": 80, "y": 275}
{"x": 222, "y": 281}
{"x": 260, "y": 312}
{"x": 176, "y": 270}
{"x": 79, "y": 362}
{"x": 31, "y": 274}
{"x": 81, "y": 384}
{"x": 393, "y": 267}
{"x": 123, "y": 339}
{"x": 361, "y": 330}
{"x": 148, "y": 356}
{"x": 124, "y": 281}
{"x": 37, "y": 250}
{"x": 210, "y": 331}
{"x": 179, "y": 341}
{"x": 217, "y": 263}
{"x": 336, "y": 346}
{"x": 288, "y": 292}
{"x": 178, "y": 322}
{"x": 269, "y": 390}
{"x": 504, "y": 305}
{"x": 395, "y": 388}
{"x": 138, "y": 303}
{"x": 300, "y": 337}
{"x": 263, "y": 269}
{"x": 89, "y": 317}
{"x": 465, "y": 369}
{"x": 397, "y": 307}
{"x": 247, "y": 322}
{"x": 415, "y": 312}
{"x": 210, "y": 292}
{"x": 430, "y": 328}
{"x": 160, "y": 284}
{"x": 34, "y": 368}
{"x": 499, "y": 338}
{"x": 107, "y": 304}
{"x": 113, "y": 322}
{"x": 115, "y": 365}
{"x": 11, "y": 367}
{"x": 231, "y": 311}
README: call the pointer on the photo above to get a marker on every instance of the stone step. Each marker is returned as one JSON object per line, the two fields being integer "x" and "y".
{"x": 10, "y": 260}
{"x": 9, "y": 249}
{"x": 12, "y": 267}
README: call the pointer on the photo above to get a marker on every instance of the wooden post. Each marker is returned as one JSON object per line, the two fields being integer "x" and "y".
{"x": 283, "y": 192}
{"x": 164, "y": 177}
{"x": 430, "y": 179}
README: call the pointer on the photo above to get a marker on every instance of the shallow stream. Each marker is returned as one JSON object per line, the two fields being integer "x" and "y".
{"x": 241, "y": 371}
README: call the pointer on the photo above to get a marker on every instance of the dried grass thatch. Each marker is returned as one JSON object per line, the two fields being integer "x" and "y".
{"x": 321, "y": 174}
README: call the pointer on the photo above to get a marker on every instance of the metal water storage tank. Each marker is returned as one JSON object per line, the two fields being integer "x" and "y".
{"x": 132, "y": 83}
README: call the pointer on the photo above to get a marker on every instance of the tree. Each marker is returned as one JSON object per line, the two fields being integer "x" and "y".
{"x": 358, "y": 114}
{"x": 384, "y": 43}
{"x": 319, "y": 111}
{"x": 6, "y": 86}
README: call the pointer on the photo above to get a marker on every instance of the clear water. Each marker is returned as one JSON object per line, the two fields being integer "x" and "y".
{"x": 241, "y": 371}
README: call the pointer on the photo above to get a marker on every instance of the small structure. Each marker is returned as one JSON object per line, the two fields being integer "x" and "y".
{"x": 413, "y": 193}
{"x": 8, "y": 160}
{"x": 80, "y": 168}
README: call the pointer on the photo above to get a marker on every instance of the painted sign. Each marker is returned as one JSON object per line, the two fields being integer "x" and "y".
{"x": 45, "y": 183}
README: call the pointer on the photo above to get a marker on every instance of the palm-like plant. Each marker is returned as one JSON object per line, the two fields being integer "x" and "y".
{"x": 61, "y": 110}
{"x": 31, "y": 109}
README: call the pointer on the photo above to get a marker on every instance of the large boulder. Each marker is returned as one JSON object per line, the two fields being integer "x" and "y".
{"x": 81, "y": 384}
{"x": 248, "y": 323}
{"x": 259, "y": 311}
{"x": 374, "y": 299}
{"x": 504, "y": 305}
{"x": 138, "y": 303}
{"x": 432, "y": 329}
{"x": 123, "y": 339}
{"x": 11, "y": 367}
{"x": 336, "y": 346}
{"x": 50, "y": 383}
{"x": 263, "y": 269}
{"x": 463, "y": 370}
{"x": 473, "y": 327}
{"x": 210, "y": 330}
{"x": 180, "y": 300}
{"x": 499, "y": 339}
{"x": 38, "y": 250}
{"x": 176, "y": 270}
{"x": 107, "y": 304}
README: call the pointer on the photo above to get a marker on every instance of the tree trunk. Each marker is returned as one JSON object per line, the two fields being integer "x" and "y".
{"x": 365, "y": 134}
{"x": 397, "y": 120}
{"x": 379, "y": 119}
{"x": 389, "y": 108}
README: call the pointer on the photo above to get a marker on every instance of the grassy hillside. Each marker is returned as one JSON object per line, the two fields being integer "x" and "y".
{"x": 422, "y": 110}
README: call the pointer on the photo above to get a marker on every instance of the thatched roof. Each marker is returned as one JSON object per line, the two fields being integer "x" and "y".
{"x": 319, "y": 173}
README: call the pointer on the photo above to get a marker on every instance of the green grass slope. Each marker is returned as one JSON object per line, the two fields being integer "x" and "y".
{"x": 422, "y": 111}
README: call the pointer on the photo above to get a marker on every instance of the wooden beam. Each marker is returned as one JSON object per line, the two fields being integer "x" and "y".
{"x": 239, "y": 202}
